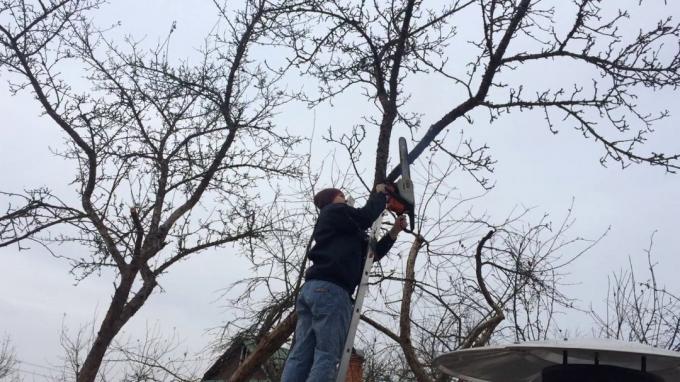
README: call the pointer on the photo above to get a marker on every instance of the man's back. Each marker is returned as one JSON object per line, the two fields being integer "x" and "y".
{"x": 341, "y": 242}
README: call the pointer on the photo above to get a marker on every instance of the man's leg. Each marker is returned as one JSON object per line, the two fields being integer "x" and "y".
{"x": 302, "y": 354}
{"x": 331, "y": 314}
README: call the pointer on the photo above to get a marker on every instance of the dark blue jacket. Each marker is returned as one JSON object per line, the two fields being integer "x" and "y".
{"x": 341, "y": 242}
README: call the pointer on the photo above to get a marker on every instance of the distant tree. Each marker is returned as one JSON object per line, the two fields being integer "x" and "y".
{"x": 8, "y": 361}
{"x": 167, "y": 154}
{"x": 640, "y": 308}
{"x": 155, "y": 356}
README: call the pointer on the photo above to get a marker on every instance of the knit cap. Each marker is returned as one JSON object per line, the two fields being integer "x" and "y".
{"x": 325, "y": 197}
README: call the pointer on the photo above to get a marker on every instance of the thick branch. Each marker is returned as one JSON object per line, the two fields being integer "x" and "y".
{"x": 494, "y": 64}
{"x": 405, "y": 314}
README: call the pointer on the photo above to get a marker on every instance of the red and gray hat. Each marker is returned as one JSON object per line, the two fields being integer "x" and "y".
{"x": 325, "y": 197}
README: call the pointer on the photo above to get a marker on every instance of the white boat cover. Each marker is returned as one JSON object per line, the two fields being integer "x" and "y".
{"x": 524, "y": 362}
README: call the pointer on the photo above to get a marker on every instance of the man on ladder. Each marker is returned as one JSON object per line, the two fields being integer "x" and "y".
{"x": 342, "y": 256}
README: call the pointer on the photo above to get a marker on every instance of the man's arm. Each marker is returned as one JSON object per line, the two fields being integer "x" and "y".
{"x": 349, "y": 219}
{"x": 387, "y": 241}
{"x": 366, "y": 215}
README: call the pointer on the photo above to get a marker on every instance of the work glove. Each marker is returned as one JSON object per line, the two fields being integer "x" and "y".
{"x": 384, "y": 188}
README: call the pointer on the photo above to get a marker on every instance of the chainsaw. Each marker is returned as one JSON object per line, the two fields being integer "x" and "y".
{"x": 401, "y": 199}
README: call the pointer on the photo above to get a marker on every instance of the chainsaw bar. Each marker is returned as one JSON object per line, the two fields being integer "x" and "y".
{"x": 404, "y": 185}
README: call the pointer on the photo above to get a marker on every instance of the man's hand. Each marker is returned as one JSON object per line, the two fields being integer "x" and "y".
{"x": 399, "y": 225}
{"x": 382, "y": 187}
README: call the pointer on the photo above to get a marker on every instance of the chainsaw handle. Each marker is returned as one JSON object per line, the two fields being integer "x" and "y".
{"x": 407, "y": 227}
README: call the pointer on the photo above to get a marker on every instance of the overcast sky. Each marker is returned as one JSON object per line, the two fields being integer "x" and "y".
{"x": 535, "y": 168}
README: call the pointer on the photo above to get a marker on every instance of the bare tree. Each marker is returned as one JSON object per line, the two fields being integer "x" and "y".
{"x": 374, "y": 45}
{"x": 380, "y": 46}
{"x": 157, "y": 356}
{"x": 467, "y": 279}
{"x": 8, "y": 361}
{"x": 265, "y": 300}
{"x": 453, "y": 290}
{"x": 640, "y": 309}
{"x": 167, "y": 154}
{"x": 154, "y": 356}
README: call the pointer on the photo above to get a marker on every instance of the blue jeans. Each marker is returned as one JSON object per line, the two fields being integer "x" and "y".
{"x": 324, "y": 312}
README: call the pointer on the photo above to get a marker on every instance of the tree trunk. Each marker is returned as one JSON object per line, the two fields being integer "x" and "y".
{"x": 120, "y": 312}
{"x": 383, "y": 149}
{"x": 107, "y": 331}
